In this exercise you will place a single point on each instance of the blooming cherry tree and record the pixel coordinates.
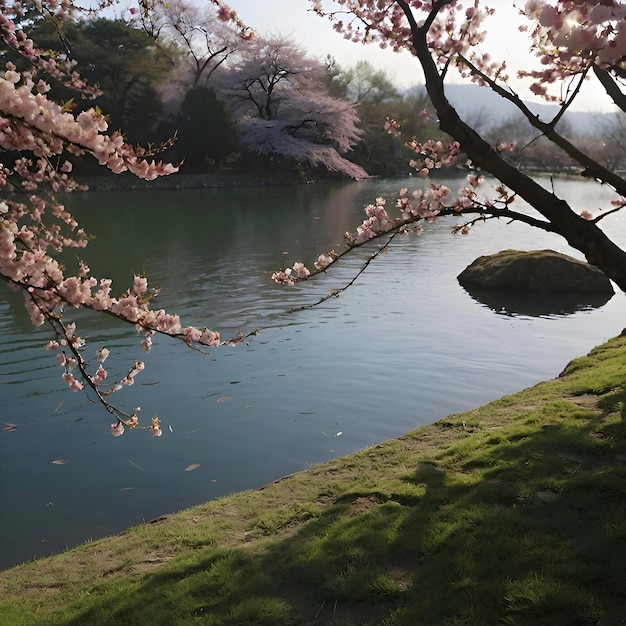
(285, 109)
(574, 39)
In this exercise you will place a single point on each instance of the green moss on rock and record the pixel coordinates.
(544, 271)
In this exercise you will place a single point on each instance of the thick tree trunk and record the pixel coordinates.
(581, 234)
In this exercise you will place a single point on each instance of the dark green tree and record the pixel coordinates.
(122, 61)
(207, 130)
(335, 78)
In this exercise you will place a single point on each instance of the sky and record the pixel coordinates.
(316, 35)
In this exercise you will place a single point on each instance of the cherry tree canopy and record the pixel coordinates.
(284, 107)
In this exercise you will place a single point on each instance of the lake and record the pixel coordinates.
(403, 347)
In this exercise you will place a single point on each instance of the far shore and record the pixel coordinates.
(222, 179)
(233, 179)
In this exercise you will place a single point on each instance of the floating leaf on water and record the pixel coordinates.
(192, 467)
(223, 399)
(59, 462)
(9, 427)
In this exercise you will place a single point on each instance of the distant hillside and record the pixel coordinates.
(480, 103)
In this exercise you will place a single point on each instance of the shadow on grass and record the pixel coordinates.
(518, 526)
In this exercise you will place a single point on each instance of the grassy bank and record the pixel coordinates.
(512, 513)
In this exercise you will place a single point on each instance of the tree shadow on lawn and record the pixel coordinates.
(528, 527)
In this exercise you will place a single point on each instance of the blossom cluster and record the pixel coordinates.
(569, 35)
(376, 223)
(453, 27)
(433, 154)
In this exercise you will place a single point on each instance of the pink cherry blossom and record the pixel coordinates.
(283, 277)
(72, 383)
(323, 261)
(301, 271)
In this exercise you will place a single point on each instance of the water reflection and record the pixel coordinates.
(537, 304)
(402, 347)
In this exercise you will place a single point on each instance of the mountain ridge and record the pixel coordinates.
(473, 102)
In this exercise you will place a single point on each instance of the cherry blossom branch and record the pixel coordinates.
(619, 206)
(67, 338)
(421, 206)
(334, 293)
(34, 126)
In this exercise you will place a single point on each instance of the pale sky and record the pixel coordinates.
(292, 18)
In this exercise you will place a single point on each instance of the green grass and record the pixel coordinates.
(512, 513)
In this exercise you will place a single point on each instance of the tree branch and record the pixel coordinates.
(334, 293)
(611, 87)
(592, 168)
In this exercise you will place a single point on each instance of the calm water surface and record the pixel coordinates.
(402, 347)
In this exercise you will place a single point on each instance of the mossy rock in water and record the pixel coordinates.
(544, 271)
